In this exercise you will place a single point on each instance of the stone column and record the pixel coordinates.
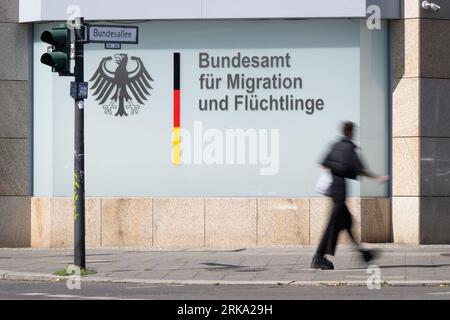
(421, 124)
(14, 128)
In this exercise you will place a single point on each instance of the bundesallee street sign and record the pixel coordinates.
(113, 34)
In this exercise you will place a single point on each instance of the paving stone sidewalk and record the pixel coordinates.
(397, 263)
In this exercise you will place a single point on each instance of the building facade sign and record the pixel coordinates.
(243, 108)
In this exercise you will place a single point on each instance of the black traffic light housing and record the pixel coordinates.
(59, 58)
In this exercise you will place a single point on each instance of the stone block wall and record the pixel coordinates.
(421, 130)
(202, 222)
(15, 129)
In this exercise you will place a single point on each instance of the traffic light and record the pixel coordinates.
(59, 57)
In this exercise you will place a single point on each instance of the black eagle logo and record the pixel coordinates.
(121, 86)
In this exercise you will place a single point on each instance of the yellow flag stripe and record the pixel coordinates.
(176, 146)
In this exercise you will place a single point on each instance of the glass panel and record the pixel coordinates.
(320, 62)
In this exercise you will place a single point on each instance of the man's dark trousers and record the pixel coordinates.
(340, 219)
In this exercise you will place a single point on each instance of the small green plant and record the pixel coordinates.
(334, 284)
(64, 273)
(385, 284)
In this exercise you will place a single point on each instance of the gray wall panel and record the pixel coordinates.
(14, 168)
(435, 167)
(14, 110)
(15, 226)
(435, 107)
(13, 51)
(9, 10)
(435, 220)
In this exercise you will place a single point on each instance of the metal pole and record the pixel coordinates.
(79, 197)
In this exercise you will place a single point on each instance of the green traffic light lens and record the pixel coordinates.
(47, 37)
(55, 37)
(57, 60)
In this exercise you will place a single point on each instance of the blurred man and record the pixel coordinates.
(344, 164)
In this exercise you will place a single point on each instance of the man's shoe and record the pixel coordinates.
(369, 255)
(320, 262)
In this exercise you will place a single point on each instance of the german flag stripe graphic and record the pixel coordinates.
(176, 147)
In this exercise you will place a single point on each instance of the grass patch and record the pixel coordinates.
(64, 273)
(334, 284)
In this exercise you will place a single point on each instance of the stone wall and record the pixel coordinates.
(421, 130)
(420, 163)
(202, 222)
(14, 128)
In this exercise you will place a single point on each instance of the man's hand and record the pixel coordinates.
(382, 179)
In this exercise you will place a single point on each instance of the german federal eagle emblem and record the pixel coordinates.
(121, 92)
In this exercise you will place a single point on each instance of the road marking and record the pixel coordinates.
(61, 296)
(335, 270)
(439, 293)
(70, 296)
(108, 298)
(383, 277)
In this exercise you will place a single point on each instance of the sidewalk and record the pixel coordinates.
(399, 265)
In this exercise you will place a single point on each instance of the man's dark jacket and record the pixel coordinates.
(343, 162)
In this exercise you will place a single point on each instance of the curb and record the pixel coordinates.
(41, 277)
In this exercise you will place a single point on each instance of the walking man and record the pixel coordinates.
(344, 164)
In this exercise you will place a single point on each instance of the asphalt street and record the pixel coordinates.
(18, 290)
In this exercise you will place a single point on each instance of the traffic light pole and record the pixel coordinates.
(58, 59)
(79, 194)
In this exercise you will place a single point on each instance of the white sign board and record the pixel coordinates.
(113, 34)
(217, 109)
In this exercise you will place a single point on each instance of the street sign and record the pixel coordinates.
(113, 46)
(113, 34)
